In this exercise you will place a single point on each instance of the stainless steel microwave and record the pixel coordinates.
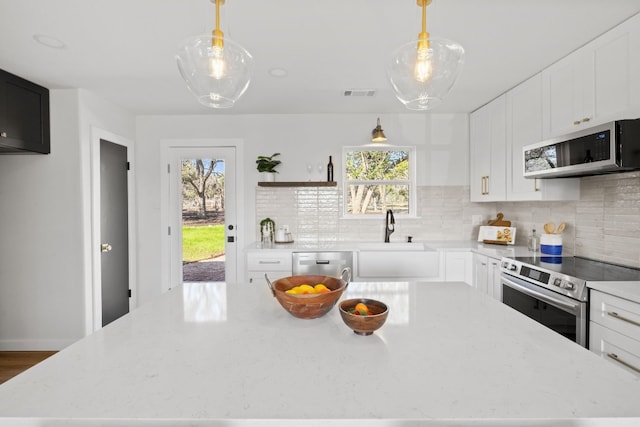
(607, 148)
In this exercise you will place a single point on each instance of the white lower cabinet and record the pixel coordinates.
(275, 264)
(458, 266)
(614, 330)
(486, 275)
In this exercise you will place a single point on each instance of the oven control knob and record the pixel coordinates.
(513, 267)
(557, 282)
(569, 285)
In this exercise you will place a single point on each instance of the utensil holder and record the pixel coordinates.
(551, 244)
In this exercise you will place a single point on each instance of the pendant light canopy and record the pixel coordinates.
(422, 72)
(217, 70)
(377, 134)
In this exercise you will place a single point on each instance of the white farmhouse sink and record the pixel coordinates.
(394, 246)
(397, 261)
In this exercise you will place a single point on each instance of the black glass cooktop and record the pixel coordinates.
(583, 268)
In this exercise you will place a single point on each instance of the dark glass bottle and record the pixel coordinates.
(330, 171)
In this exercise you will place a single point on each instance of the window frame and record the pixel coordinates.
(411, 182)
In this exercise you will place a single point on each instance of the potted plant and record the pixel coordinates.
(266, 165)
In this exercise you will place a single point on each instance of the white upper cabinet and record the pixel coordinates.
(568, 87)
(617, 67)
(487, 134)
(595, 84)
(524, 127)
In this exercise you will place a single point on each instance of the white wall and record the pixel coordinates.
(44, 224)
(441, 141)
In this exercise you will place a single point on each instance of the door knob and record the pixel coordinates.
(105, 247)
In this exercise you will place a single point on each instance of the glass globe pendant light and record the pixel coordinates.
(422, 72)
(217, 70)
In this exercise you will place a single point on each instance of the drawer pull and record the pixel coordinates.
(268, 262)
(615, 358)
(624, 319)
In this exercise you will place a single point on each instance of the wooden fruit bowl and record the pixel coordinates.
(309, 306)
(364, 325)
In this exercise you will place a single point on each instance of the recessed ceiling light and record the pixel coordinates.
(278, 72)
(49, 41)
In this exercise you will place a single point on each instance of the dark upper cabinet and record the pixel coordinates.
(24, 116)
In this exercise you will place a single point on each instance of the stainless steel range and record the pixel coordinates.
(553, 290)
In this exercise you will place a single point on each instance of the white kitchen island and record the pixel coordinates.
(229, 355)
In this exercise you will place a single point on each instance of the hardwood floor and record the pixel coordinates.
(14, 362)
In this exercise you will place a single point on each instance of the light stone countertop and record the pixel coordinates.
(496, 251)
(626, 290)
(229, 355)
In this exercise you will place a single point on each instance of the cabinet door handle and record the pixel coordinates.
(624, 319)
(576, 122)
(586, 119)
(484, 189)
(268, 262)
(535, 184)
(615, 358)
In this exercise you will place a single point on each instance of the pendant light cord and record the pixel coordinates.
(423, 37)
(218, 36)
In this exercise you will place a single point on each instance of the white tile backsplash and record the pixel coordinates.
(604, 224)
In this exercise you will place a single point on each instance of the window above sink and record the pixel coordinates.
(379, 177)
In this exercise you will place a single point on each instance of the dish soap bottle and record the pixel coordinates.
(533, 241)
(330, 171)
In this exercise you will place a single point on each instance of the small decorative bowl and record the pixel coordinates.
(309, 306)
(364, 325)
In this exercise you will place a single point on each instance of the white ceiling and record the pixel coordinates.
(123, 50)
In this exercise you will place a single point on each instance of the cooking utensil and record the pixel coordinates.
(549, 228)
(560, 228)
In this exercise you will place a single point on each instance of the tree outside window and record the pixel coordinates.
(377, 179)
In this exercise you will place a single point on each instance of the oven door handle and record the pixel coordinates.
(544, 298)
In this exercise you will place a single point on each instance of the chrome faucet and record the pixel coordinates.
(390, 226)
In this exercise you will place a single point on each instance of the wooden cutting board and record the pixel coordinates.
(499, 221)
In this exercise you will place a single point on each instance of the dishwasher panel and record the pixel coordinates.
(323, 263)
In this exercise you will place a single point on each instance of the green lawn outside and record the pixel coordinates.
(202, 242)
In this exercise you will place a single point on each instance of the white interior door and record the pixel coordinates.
(225, 155)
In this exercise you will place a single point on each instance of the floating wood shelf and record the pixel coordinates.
(297, 184)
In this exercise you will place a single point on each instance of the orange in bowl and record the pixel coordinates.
(362, 315)
(314, 303)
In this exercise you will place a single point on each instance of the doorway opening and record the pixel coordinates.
(203, 219)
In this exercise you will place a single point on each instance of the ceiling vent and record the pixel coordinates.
(359, 92)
